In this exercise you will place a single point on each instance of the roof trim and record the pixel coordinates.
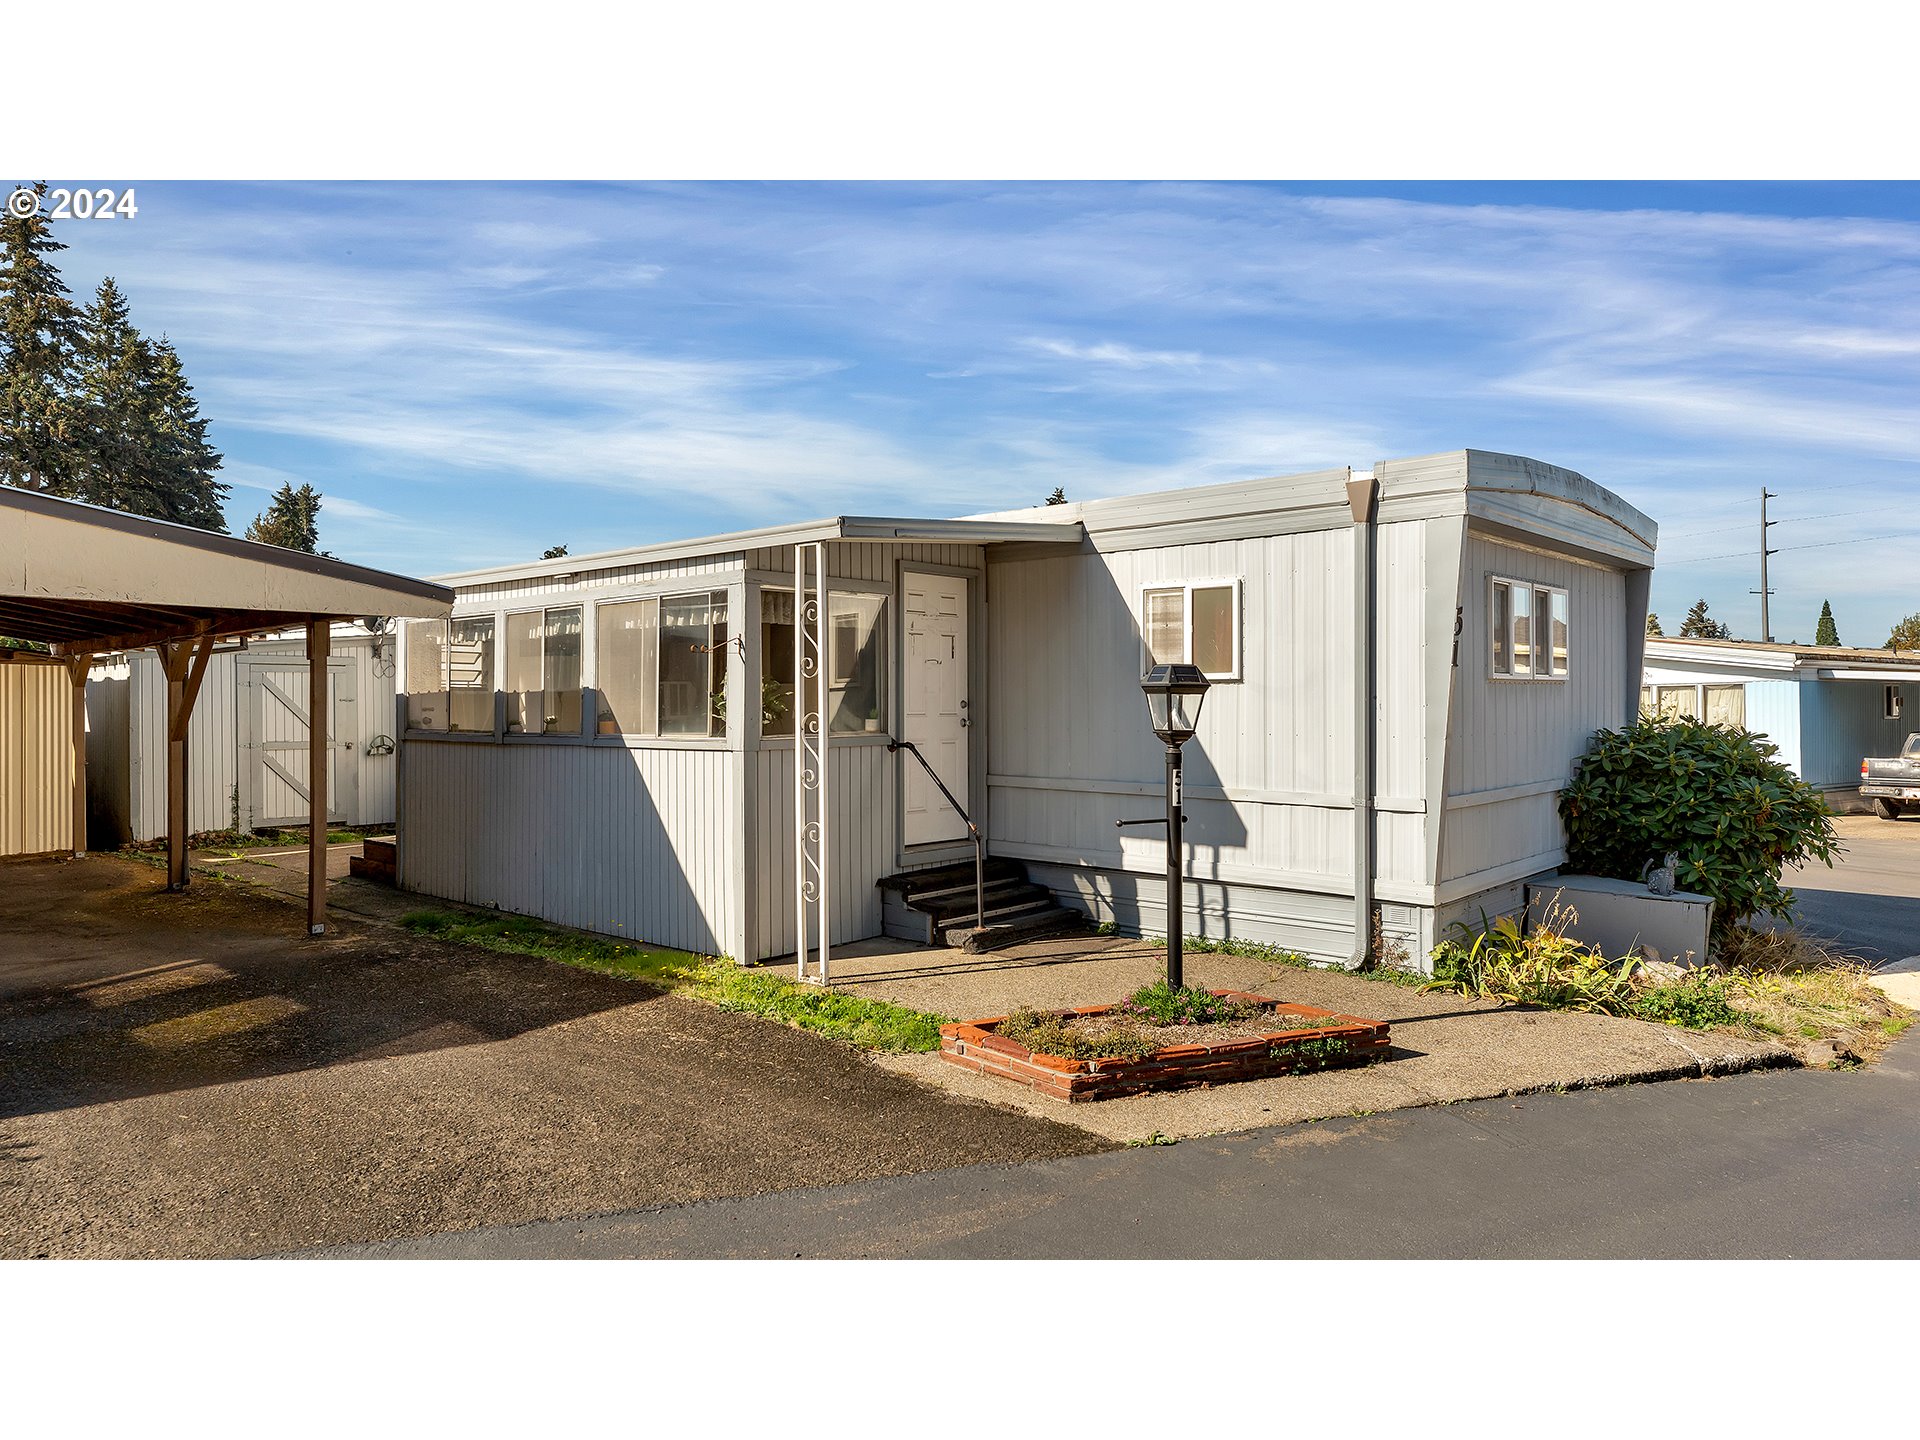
(869, 528)
(172, 533)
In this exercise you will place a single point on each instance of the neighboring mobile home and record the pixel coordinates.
(1826, 706)
(1406, 664)
(247, 746)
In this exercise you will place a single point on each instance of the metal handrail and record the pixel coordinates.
(973, 831)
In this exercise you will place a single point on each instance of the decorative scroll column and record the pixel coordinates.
(812, 891)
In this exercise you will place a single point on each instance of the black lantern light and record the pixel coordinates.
(1174, 696)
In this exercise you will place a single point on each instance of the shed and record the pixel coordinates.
(86, 582)
(1827, 707)
(1407, 661)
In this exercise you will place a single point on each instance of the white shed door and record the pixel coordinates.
(276, 732)
(936, 720)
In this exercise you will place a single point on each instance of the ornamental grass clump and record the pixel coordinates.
(1713, 795)
(1541, 966)
(1164, 1004)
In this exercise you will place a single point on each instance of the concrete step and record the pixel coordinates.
(381, 849)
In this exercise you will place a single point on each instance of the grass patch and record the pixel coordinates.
(856, 1020)
(1164, 1004)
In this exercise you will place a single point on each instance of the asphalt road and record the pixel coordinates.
(1788, 1164)
(1871, 899)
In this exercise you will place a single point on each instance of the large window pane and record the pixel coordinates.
(561, 671)
(526, 700)
(1727, 705)
(1213, 629)
(627, 655)
(692, 665)
(1164, 627)
(426, 677)
(856, 669)
(470, 674)
(777, 702)
(1559, 632)
(1679, 702)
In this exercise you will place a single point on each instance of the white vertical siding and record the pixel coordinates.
(628, 842)
(861, 830)
(36, 759)
(1520, 734)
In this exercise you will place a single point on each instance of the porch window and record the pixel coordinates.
(662, 665)
(543, 671)
(470, 682)
(1716, 704)
(856, 664)
(1193, 623)
(426, 674)
(1726, 705)
(1527, 630)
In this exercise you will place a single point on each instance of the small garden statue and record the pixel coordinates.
(1659, 878)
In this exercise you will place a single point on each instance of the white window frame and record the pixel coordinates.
(1892, 701)
(1150, 587)
(1514, 582)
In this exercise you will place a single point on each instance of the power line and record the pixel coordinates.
(1812, 545)
(1783, 520)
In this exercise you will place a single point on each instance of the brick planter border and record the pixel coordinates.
(975, 1045)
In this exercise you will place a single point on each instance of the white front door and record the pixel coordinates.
(937, 721)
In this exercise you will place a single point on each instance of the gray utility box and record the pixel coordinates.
(1619, 917)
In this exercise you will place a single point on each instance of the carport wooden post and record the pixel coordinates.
(185, 667)
(319, 750)
(77, 667)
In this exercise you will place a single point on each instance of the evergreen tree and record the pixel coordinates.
(553, 552)
(111, 380)
(186, 463)
(1059, 495)
(39, 333)
(1653, 624)
(1826, 632)
(291, 520)
(1702, 626)
(1906, 635)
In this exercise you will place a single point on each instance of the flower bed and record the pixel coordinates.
(1295, 1049)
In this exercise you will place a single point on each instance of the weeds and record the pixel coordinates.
(854, 1019)
(1543, 966)
(1163, 1004)
(1050, 1033)
(1698, 1002)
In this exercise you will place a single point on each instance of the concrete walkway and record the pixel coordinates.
(1445, 1048)
(1794, 1164)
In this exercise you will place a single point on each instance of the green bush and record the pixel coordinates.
(1162, 1004)
(1711, 794)
(1699, 1002)
(1542, 966)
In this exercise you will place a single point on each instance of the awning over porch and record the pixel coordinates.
(86, 581)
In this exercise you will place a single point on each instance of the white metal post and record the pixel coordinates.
(810, 726)
(824, 733)
(801, 881)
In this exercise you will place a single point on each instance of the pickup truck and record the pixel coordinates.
(1893, 785)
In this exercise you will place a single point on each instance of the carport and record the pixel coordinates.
(86, 581)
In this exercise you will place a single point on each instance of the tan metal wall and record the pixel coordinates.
(36, 759)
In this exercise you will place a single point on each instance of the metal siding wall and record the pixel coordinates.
(1072, 752)
(861, 830)
(1773, 710)
(627, 842)
(36, 759)
(1845, 724)
(213, 768)
(1512, 733)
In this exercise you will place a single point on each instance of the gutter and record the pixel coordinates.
(1363, 499)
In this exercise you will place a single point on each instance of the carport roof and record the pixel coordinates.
(83, 580)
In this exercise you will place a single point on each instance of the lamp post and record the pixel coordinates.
(1174, 696)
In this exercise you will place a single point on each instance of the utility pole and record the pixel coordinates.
(1766, 623)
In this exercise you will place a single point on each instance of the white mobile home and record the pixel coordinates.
(1406, 663)
(1827, 707)
(247, 745)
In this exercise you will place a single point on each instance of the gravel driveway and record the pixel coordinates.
(188, 1075)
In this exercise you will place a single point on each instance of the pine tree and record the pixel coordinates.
(1702, 626)
(553, 552)
(1653, 624)
(291, 520)
(39, 333)
(1059, 495)
(186, 463)
(112, 442)
(1826, 632)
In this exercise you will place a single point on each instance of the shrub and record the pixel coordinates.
(1162, 1004)
(1540, 967)
(1713, 795)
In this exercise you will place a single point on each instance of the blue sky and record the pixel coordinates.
(471, 373)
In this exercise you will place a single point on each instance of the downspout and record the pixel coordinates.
(1363, 496)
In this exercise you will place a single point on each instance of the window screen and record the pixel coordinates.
(1165, 627)
(1213, 623)
(470, 674)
